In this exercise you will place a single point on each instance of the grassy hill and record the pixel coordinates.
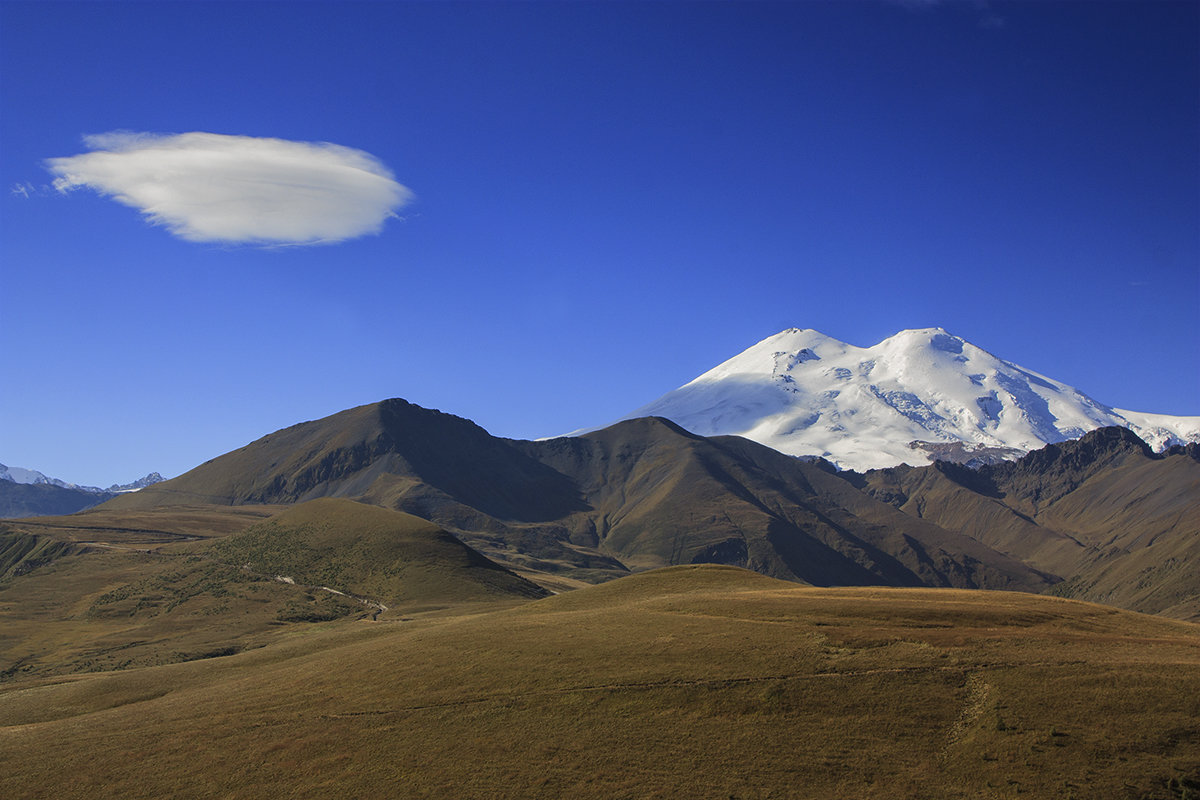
(390, 557)
(702, 681)
(121, 589)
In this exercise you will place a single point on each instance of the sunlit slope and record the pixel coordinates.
(688, 682)
(146, 528)
(104, 590)
(805, 393)
(385, 556)
(114, 590)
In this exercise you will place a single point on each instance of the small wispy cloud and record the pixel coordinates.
(27, 190)
(208, 187)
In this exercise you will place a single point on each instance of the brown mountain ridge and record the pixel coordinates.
(1101, 518)
(1119, 523)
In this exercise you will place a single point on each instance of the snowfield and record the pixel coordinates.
(806, 394)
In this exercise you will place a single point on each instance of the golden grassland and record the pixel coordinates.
(688, 682)
(68, 614)
(146, 529)
(145, 588)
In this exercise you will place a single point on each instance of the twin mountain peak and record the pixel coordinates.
(916, 397)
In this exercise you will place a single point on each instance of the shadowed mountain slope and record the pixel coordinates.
(41, 499)
(641, 494)
(1121, 523)
(346, 455)
(1103, 515)
(661, 496)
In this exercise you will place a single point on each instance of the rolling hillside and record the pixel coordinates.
(701, 681)
(118, 590)
(390, 558)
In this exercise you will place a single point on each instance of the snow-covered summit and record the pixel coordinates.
(805, 393)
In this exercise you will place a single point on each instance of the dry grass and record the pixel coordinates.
(137, 595)
(145, 528)
(687, 682)
(115, 609)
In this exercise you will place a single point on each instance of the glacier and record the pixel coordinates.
(807, 394)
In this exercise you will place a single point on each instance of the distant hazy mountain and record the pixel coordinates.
(45, 499)
(29, 493)
(918, 396)
(34, 478)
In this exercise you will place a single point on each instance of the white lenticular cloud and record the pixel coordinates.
(207, 187)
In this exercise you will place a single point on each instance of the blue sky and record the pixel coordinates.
(607, 199)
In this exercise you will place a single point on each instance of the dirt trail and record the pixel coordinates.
(366, 601)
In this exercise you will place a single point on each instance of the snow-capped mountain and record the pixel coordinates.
(32, 476)
(918, 393)
(140, 483)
